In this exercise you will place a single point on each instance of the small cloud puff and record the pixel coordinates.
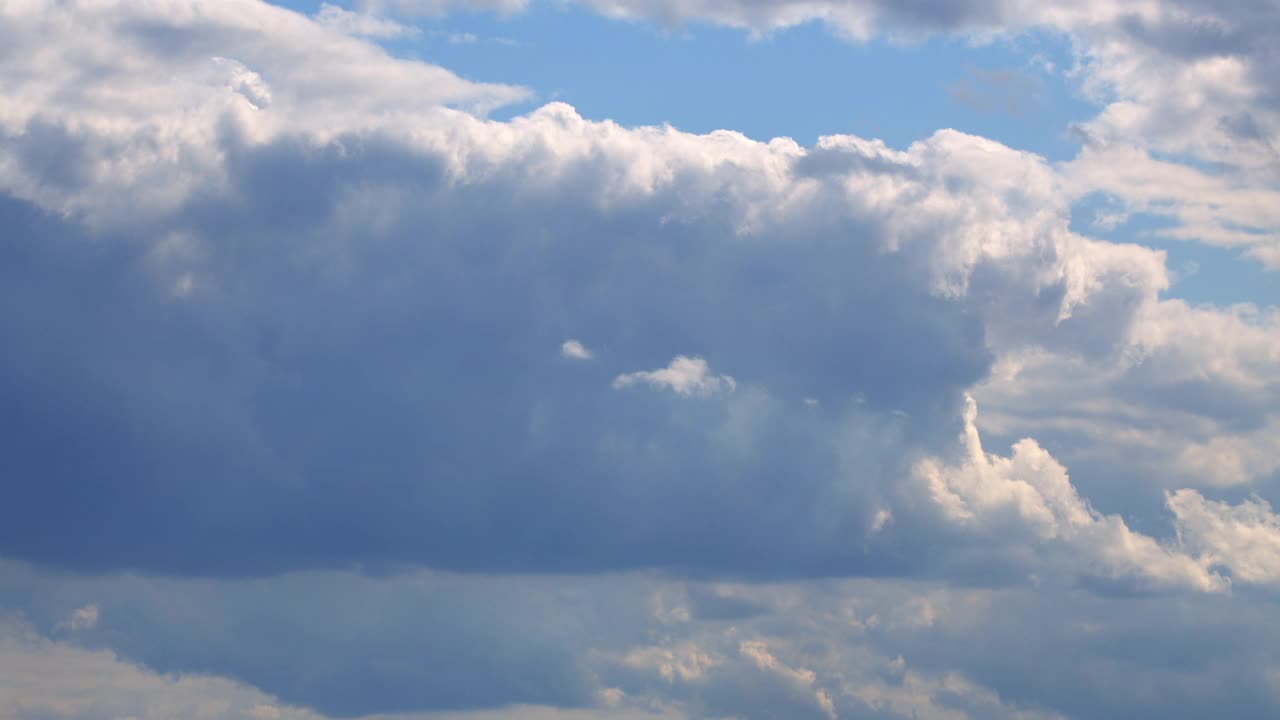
(686, 376)
(86, 618)
(575, 350)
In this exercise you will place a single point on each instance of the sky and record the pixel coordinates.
(639, 359)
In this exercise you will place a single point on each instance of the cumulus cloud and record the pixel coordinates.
(1190, 400)
(684, 376)
(157, 134)
(1216, 542)
(879, 283)
(1032, 490)
(1244, 539)
(874, 268)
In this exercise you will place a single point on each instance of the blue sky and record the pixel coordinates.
(447, 360)
(804, 82)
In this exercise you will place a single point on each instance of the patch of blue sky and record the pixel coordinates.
(802, 83)
(1201, 274)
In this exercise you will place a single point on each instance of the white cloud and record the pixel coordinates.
(1187, 79)
(1189, 399)
(261, 67)
(1032, 490)
(1233, 458)
(1032, 487)
(575, 350)
(687, 376)
(1244, 539)
(363, 24)
(1214, 209)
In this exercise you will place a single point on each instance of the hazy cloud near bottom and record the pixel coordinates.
(622, 645)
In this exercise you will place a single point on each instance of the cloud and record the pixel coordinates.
(575, 350)
(874, 647)
(341, 300)
(41, 678)
(812, 655)
(44, 678)
(687, 376)
(435, 8)
(1234, 459)
(803, 679)
(1244, 539)
(343, 644)
(86, 618)
(1031, 491)
(1216, 542)
(417, 394)
(1210, 208)
(363, 24)
(1190, 400)
(154, 133)
(1188, 81)
(856, 19)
